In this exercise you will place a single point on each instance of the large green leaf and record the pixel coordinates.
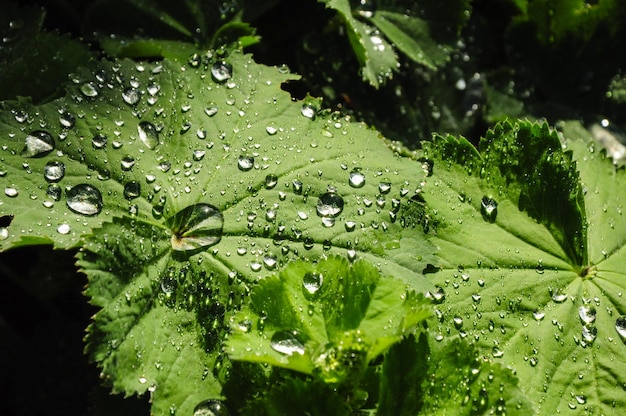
(186, 184)
(536, 280)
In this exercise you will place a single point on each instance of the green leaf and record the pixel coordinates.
(296, 322)
(534, 279)
(208, 174)
(376, 56)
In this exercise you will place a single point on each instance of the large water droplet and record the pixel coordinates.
(148, 134)
(271, 181)
(211, 408)
(221, 72)
(489, 209)
(329, 204)
(84, 199)
(38, 144)
(197, 226)
(99, 141)
(89, 89)
(54, 171)
(308, 111)
(245, 163)
(587, 314)
(131, 96)
(620, 327)
(132, 190)
(312, 282)
(67, 120)
(286, 342)
(357, 179)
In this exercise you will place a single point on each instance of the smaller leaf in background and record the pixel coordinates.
(296, 320)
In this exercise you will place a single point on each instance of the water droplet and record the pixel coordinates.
(131, 96)
(221, 72)
(132, 190)
(489, 209)
(558, 296)
(286, 342)
(89, 89)
(99, 141)
(245, 163)
(211, 407)
(620, 327)
(589, 334)
(587, 314)
(148, 134)
(84, 199)
(54, 171)
(38, 144)
(312, 282)
(153, 88)
(210, 111)
(67, 120)
(384, 187)
(308, 111)
(64, 229)
(127, 163)
(271, 130)
(329, 204)
(271, 181)
(538, 315)
(438, 295)
(357, 179)
(54, 191)
(297, 187)
(350, 226)
(197, 226)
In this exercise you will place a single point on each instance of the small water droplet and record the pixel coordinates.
(356, 179)
(67, 120)
(131, 96)
(620, 327)
(329, 204)
(148, 134)
(271, 181)
(312, 282)
(89, 89)
(64, 229)
(271, 130)
(99, 141)
(84, 199)
(297, 187)
(589, 334)
(132, 190)
(286, 342)
(221, 72)
(38, 143)
(211, 407)
(384, 187)
(308, 111)
(558, 296)
(54, 171)
(245, 163)
(350, 226)
(127, 163)
(197, 226)
(489, 209)
(587, 314)
(210, 111)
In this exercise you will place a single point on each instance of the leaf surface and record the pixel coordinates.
(535, 281)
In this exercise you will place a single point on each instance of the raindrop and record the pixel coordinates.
(54, 171)
(84, 199)
(89, 89)
(538, 315)
(270, 262)
(197, 226)
(198, 155)
(210, 111)
(312, 282)
(357, 179)
(127, 163)
(64, 229)
(489, 209)
(221, 72)
(329, 204)
(271, 130)
(153, 88)
(67, 120)
(620, 327)
(350, 226)
(587, 314)
(384, 187)
(38, 144)
(558, 296)
(148, 134)
(271, 181)
(308, 111)
(287, 343)
(131, 96)
(54, 191)
(210, 407)
(132, 190)
(99, 141)
(245, 163)
(297, 187)
(589, 333)
(438, 295)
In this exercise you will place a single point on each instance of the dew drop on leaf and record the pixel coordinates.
(132, 190)
(127, 163)
(221, 72)
(384, 187)
(308, 111)
(620, 327)
(131, 96)
(84, 199)
(148, 134)
(54, 171)
(312, 282)
(99, 141)
(210, 111)
(587, 314)
(38, 144)
(356, 179)
(271, 181)
(329, 204)
(64, 229)
(89, 89)
(489, 209)
(67, 120)
(245, 163)
(54, 191)
(197, 226)
(286, 343)
(211, 407)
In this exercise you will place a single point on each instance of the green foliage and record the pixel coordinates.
(250, 252)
